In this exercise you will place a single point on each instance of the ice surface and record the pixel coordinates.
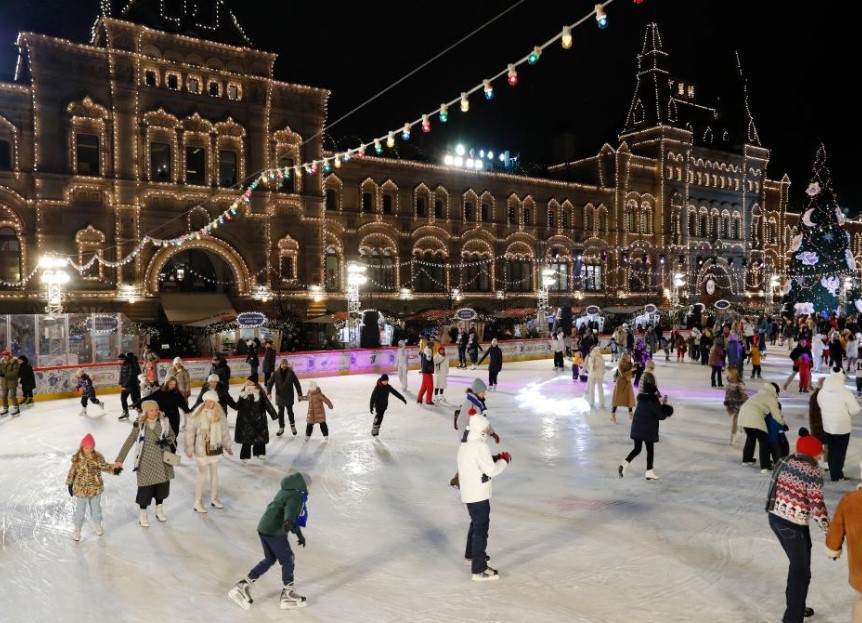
(386, 534)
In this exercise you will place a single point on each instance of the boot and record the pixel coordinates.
(280, 431)
(241, 594)
(199, 507)
(16, 412)
(455, 482)
(124, 416)
(621, 469)
(293, 428)
(83, 412)
(160, 513)
(76, 534)
(98, 529)
(375, 430)
(4, 412)
(733, 439)
(216, 502)
(102, 406)
(143, 519)
(651, 475)
(291, 599)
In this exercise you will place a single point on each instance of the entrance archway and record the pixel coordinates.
(211, 258)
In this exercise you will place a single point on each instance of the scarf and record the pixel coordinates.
(142, 434)
(252, 391)
(215, 433)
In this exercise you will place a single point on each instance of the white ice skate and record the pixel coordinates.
(651, 475)
(160, 513)
(216, 503)
(290, 599)
(240, 594)
(76, 534)
(199, 507)
(143, 520)
(99, 529)
(83, 412)
(488, 575)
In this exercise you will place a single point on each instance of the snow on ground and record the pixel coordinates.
(386, 534)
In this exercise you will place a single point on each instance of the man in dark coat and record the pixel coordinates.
(285, 381)
(224, 398)
(380, 401)
(495, 363)
(129, 383)
(27, 378)
(268, 361)
(221, 369)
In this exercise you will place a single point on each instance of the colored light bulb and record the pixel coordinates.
(378, 148)
(601, 17)
(426, 125)
(337, 162)
(444, 113)
(360, 153)
(390, 140)
(346, 156)
(465, 103)
(512, 78)
(489, 90)
(327, 167)
(405, 133)
(533, 57)
(566, 39)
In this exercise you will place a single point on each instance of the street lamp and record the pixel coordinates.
(542, 294)
(316, 293)
(54, 279)
(355, 278)
(678, 282)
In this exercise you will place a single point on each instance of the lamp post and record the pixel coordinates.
(54, 279)
(678, 282)
(355, 278)
(542, 295)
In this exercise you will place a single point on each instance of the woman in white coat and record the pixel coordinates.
(818, 348)
(752, 418)
(207, 437)
(401, 363)
(837, 404)
(595, 365)
(441, 373)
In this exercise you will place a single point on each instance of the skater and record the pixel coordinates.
(9, 372)
(221, 370)
(206, 438)
(170, 402)
(441, 373)
(558, 346)
(734, 397)
(649, 412)
(84, 386)
(851, 351)
(752, 418)
(476, 469)
(252, 428)
(285, 381)
(836, 351)
(184, 381)
(624, 395)
(147, 379)
(755, 357)
(495, 363)
(27, 378)
(649, 375)
(595, 366)
(316, 411)
(286, 513)
(268, 361)
(614, 347)
(818, 350)
(716, 362)
(847, 524)
(473, 348)
(152, 437)
(577, 362)
(253, 360)
(804, 364)
(130, 384)
(859, 376)
(463, 338)
(380, 401)
(801, 347)
(225, 400)
(401, 363)
(474, 404)
(426, 368)
(85, 485)
(639, 358)
(795, 496)
(679, 342)
(837, 405)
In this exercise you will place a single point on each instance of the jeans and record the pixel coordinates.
(323, 428)
(477, 535)
(650, 448)
(837, 452)
(245, 450)
(81, 504)
(638, 373)
(89, 398)
(274, 548)
(716, 376)
(135, 392)
(796, 541)
(281, 409)
(378, 419)
(462, 355)
(14, 391)
(752, 436)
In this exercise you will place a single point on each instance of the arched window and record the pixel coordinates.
(526, 214)
(631, 221)
(552, 219)
(692, 223)
(331, 270)
(704, 225)
(511, 215)
(10, 255)
(564, 218)
(588, 221)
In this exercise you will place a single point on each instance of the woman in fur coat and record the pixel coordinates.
(624, 394)
(252, 429)
(207, 438)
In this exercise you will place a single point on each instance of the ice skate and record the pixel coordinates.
(290, 599)
(455, 483)
(280, 431)
(487, 575)
(98, 529)
(82, 412)
(4, 412)
(240, 594)
(621, 469)
(293, 429)
(143, 520)
(123, 416)
(160, 513)
(76, 534)
(16, 412)
(651, 475)
(199, 507)
(102, 406)
(375, 430)
(613, 418)
(216, 503)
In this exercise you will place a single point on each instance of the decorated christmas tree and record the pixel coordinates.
(820, 256)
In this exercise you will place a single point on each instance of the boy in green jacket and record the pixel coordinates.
(286, 513)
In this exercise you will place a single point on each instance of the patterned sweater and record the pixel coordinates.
(799, 493)
(85, 475)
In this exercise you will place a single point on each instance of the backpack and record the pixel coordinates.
(302, 518)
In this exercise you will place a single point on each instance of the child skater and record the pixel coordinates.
(755, 355)
(316, 411)
(615, 350)
(401, 363)
(805, 364)
(441, 373)
(380, 401)
(286, 513)
(84, 385)
(85, 485)
(648, 413)
(577, 362)
(734, 397)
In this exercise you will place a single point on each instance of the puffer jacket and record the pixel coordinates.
(9, 370)
(648, 413)
(596, 364)
(285, 506)
(316, 412)
(716, 355)
(837, 404)
(251, 424)
(476, 467)
(753, 412)
(85, 475)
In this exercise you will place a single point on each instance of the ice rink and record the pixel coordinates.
(572, 542)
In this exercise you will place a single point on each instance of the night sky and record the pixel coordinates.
(796, 57)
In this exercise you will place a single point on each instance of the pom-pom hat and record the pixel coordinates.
(808, 444)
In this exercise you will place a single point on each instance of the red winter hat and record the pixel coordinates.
(808, 444)
(88, 441)
(7, 353)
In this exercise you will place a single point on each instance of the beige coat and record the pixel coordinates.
(316, 411)
(847, 524)
(184, 382)
(624, 394)
(198, 430)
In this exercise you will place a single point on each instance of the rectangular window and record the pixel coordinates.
(287, 271)
(160, 162)
(331, 271)
(196, 166)
(233, 91)
(194, 85)
(468, 211)
(287, 183)
(592, 278)
(486, 213)
(214, 88)
(511, 215)
(173, 82)
(388, 203)
(331, 199)
(421, 208)
(438, 208)
(150, 78)
(227, 168)
(5, 156)
(552, 220)
(560, 277)
(367, 203)
(87, 154)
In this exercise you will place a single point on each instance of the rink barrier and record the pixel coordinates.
(59, 381)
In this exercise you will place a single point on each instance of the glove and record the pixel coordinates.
(288, 526)
(118, 471)
(455, 419)
(496, 437)
(70, 489)
(300, 538)
(503, 455)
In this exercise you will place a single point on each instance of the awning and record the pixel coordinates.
(197, 310)
(623, 310)
(516, 312)
(329, 318)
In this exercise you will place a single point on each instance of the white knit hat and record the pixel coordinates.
(312, 385)
(213, 378)
(210, 395)
(177, 361)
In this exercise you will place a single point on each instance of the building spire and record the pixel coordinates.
(751, 130)
(649, 105)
